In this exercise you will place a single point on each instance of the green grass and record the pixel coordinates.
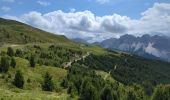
(32, 90)
(105, 75)
(17, 94)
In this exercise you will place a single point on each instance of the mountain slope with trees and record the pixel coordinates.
(34, 68)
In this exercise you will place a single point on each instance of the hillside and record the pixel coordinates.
(76, 70)
(32, 88)
(15, 32)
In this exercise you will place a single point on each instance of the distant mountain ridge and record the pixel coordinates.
(79, 40)
(154, 47)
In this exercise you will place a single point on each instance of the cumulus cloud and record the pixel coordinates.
(87, 25)
(77, 24)
(154, 20)
(5, 9)
(43, 3)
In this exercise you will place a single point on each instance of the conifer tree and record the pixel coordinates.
(10, 52)
(18, 53)
(19, 79)
(13, 62)
(32, 61)
(4, 65)
(48, 84)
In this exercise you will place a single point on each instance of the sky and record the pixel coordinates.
(92, 20)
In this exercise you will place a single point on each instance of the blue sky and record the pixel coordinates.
(93, 20)
(131, 8)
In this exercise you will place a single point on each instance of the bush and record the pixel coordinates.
(107, 94)
(58, 89)
(161, 93)
(72, 90)
(9, 75)
(3, 76)
(19, 79)
(28, 80)
(48, 84)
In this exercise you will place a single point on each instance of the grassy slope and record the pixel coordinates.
(31, 90)
(16, 32)
(14, 36)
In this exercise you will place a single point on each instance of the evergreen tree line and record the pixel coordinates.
(130, 69)
(89, 86)
(50, 56)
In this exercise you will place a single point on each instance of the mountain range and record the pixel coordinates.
(154, 47)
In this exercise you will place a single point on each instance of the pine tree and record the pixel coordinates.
(48, 84)
(13, 62)
(19, 79)
(4, 66)
(18, 53)
(10, 52)
(32, 61)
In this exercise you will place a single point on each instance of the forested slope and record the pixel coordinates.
(32, 66)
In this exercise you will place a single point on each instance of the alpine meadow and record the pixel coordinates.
(69, 50)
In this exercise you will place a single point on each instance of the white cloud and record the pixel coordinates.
(43, 3)
(72, 10)
(77, 24)
(96, 28)
(9, 1)
(102, 1)
(153, 51)
(154, 20)
(5, 9)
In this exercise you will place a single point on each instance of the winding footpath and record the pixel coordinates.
(106, 76)
(68, 64)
